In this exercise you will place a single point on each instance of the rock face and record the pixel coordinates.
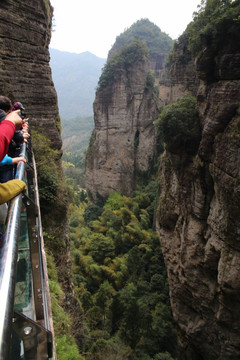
(25, 74)
(198, 216)
(123, 142)
(182, 74)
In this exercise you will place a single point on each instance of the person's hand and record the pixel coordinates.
(15, 119)
(26, 135)
(16, 160)
(25, 125)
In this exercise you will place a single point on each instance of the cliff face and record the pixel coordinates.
(198, 215)
(25, 74)
(123, 141)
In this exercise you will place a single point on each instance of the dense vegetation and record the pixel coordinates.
(120, 279)
(49, 178)
(178, 125)
(144, 30)
(128, 55)
(215, 22)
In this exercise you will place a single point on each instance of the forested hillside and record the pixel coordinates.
(120, 279)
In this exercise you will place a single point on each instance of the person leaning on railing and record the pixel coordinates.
(11, 123)
(12, 158)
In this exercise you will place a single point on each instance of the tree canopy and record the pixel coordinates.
(216, 21)
(120, 280)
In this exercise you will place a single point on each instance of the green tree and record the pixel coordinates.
(91, 213)
(114, 201)
(101, 247)
(131, 317)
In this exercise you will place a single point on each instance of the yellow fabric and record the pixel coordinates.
(10, 189)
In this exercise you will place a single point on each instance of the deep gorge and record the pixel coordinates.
(197, 211)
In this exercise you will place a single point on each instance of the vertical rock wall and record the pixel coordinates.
(198, 216)
(25, 74)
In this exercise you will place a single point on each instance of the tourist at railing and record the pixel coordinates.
(9, 162)
(8, 126)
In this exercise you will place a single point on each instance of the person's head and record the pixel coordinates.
(19, 106)
(5, 103)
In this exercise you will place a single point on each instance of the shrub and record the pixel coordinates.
(67, 349)
(178, 125)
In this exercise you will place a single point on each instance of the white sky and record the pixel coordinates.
(93, 25)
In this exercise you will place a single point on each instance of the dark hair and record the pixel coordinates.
(5, 103)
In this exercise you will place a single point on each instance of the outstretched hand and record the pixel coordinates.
(15, 119)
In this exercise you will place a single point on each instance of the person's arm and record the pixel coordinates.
(10, 189)
(11, 123)
(7, 129)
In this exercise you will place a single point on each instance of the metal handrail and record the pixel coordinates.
(38, 343)
(8, 265)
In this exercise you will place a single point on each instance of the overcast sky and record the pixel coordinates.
(93, 25)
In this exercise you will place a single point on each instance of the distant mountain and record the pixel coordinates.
(75, 77)
(76, 133)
